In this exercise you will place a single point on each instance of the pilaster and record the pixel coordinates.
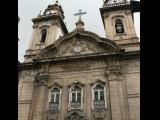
(117, 102)
(41, 81)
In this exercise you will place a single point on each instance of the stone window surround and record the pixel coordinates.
(70, 96)
(92, 91)
(49, 96)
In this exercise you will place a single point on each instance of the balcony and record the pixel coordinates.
(99, 103)
(75, 105)
(53, 106)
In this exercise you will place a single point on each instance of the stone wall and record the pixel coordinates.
(131, 76)
(121, 82)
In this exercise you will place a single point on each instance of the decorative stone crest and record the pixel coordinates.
(75, 83)
(98, 82)
(54, 85)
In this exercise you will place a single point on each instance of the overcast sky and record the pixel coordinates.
(28, 9)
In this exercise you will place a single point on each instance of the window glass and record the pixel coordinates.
(96, 95)
(73, 97)
(79, 97)
(101, 95)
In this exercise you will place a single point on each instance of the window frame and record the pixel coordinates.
(70, 97)
(93, 96)
(55, 94)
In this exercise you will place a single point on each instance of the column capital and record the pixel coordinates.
(113, 73)
(41, 79)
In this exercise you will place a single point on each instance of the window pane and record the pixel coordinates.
(52, 97)
(101, 95)
(96, 95)
(57, 99)
(73, 97)
(79, 97)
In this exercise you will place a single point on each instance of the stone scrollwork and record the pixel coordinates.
(75, 115)
(41, 80)
(113, 74)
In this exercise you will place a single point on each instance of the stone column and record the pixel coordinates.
(41, 82)
(116, 95)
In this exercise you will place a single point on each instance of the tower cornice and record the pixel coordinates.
(51, 17)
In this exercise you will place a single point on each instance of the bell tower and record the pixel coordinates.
(47, 28)
(118, 21)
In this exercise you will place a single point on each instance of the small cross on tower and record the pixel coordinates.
(80, 13)
(56, 2)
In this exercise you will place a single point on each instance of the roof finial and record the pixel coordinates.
(57, 2)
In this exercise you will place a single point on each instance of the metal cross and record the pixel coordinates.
(80, 13)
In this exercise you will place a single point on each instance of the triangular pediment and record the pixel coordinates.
(79, 43)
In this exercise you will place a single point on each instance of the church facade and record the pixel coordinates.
(79, 75)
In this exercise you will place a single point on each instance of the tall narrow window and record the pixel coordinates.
(54, 99)
(75, 97)
(119, 26)
(98, 96)
(43, 35)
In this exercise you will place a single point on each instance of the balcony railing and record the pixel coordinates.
(75, 105)
(99, 103)
(53, 106)
(117, 4)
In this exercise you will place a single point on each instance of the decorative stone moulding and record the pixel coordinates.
(117, 4)
(41, 80)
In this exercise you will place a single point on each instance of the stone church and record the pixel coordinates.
(79, 75)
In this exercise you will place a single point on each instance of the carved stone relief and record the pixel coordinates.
(114, 73)
(75, 115)
(77, 46)
(41, 80)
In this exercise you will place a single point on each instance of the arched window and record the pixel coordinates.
(43, 35)
(119, 26)
(98, 96)
(54, 99)
(75, 97)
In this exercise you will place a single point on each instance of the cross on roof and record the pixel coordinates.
(80, 13)
(56, 2)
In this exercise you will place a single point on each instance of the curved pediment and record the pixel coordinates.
(79, 43)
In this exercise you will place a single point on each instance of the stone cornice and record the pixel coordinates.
(131, 54)
(82, 56)
(51, 17)
(116, 6)
(56, 59)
